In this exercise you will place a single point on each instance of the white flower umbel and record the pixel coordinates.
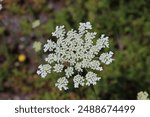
(1, 7)
(58, 68)
(102, 42)
(59, 32)
(106, 57)
(43, 70)
(91, 78)
(78, 80)
(142, 95)
(77, 55)
(37, 46)
(95, 65)
(62, 83)
(49, 46)
(69, 72)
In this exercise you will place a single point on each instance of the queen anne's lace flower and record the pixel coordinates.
(43, 70)
(84, 26)
(51, 58)
(78, 80)
(78, 67)
(102, 42)
(91, 78)
(58, 68)
(62, 83)
(69, 72)
(106, 57)
(142, 95)
(75, 53)
(49, 46)
(59, 32)
(1, 7)
(37, 46)
(95, 65)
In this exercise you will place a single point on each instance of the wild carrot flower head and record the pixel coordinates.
(75, 54)
(1, 7)
(142, 95)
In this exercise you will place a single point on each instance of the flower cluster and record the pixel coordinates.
(37, 46)
(142, 95)
(1, 7)
(75, 54)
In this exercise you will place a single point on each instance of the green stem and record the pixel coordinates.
(92, 87)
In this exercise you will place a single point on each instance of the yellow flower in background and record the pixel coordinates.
(21, 57)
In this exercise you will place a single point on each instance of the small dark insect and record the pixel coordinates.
(66, 63)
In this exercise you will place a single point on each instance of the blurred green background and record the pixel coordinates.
(126, 22)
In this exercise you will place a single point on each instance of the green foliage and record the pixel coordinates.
(2, 29)
(26, 27)
(14, 8)
(45, 28)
